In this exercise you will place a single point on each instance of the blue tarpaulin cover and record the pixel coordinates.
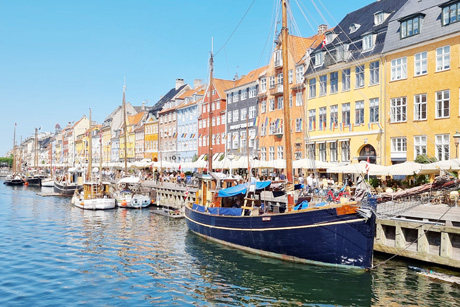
(241, 189)
(226, 211)
(198, 208)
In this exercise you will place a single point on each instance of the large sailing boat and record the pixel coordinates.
(95, 194)
(335, 234)
(14, 178)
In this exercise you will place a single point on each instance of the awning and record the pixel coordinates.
(241, 189)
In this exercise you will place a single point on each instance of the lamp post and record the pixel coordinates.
(456, 137)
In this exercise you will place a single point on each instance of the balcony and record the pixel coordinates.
(277, 90)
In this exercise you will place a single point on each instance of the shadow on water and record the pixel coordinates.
(255, 280)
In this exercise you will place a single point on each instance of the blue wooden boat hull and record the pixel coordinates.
(318, 236)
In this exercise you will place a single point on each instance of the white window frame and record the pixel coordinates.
(420, 64)
(442, 104)
(398, 110)
(420, 107)
(442, 145)
(443, 58)
(399, 69)
(420, 145)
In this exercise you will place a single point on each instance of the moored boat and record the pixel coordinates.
(128, 196)
(67, 184)
(14, 179)
(94, 196)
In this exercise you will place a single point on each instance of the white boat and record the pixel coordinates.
(48, 182)
(127, 194)
(95, 196)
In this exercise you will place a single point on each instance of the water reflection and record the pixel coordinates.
(250, 279)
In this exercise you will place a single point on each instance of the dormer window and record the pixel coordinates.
(319, 59)
(380, 17)
(278, 58)
(368, 42)
(410, 25)
(354, 27)
(450, 13)
(329, 37)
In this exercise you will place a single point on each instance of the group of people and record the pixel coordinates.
(313, 181)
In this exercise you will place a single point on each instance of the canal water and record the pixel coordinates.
(54, 254)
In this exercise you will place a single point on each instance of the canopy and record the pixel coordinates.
(311, 164)
(358, 168)
(130, 180)
(241, 189)
(405, 169)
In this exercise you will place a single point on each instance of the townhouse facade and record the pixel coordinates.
(344, 83)
(151, 137)
(242, 114)
(422, 53)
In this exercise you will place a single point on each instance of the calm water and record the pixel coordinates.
(53, 254)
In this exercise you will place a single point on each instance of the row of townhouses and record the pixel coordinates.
(382, 85)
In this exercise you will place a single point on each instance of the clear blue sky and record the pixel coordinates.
(60, 58)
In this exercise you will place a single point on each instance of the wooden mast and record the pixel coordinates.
(90, 149)
(287, 111)
(35, 150)
(210, 115)
(125, 130)
(14, 149)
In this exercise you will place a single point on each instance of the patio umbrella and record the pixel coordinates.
(357, 168)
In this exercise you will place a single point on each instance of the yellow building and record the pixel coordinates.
(422, 82)
(345, 88)
(106, 143)
(132, 122)
(151, 138)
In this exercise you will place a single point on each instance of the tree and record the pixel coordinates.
(424, 159)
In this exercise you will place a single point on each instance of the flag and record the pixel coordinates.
(323, 43)
(380, 127)
(256, 121)
(350, 127)
(186, 194)
(341, 126)
(367, 166)
(266, 122)
(324, 125)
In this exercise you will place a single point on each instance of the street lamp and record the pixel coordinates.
(456, 137)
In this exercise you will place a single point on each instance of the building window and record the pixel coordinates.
(278, 58)
(420, 107)
(399, 69)
(374, 73)
(368, 42)
(420, 63)
(443, 58)
(263, 129)
(235, 115)
(243, 139)
(252, 112)
(299, 74)
(419, 146)
(271, 153)
(271, 105)
(451, 13)
(319, 59)
(298, 99)
(346, 79)
(244, 94)
(398, 109)
(252, 136)
(346, 114)
(235, 140)
(263, 85)
(442, 104)
(334, 116)
(322, 118)
(298, 155)
(312, 119)
(322, 85)
(280, 152)
(312, 88)
(263, 106)
(311, 151)
(398, 147)
(272, 81)
(291, 76)
(290, 100)
(374, 110)
(236, 96)
(280, 103)
(229, 117)
(333, 151)
(263, 154)
(334, 78)
(252, 91)
(359, 74)
(410, 27)
(442, 147)
(322, 151)
(379, 18)
(359, 113)
(243, 114)
(280, 82)
(298, 125)
(345, 146)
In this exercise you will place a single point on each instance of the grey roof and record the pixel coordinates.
(431, 25)
(364, 17)
(169, 95)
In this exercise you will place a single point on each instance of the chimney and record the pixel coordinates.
(322, 29)
(143, 105)
(197, 83)
(179, 83)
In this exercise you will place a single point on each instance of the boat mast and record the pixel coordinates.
(35, 150)
(287, 111)
(210, 114)
(100, 151)
(14, 149)
(90, 149)
(125, 130)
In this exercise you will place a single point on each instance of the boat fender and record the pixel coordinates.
(123, 203)
(82, 203)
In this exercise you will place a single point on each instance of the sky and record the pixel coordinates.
(60, 58)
